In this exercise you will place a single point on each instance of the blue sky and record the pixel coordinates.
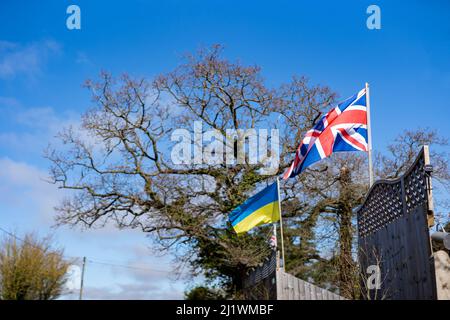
(43, 66)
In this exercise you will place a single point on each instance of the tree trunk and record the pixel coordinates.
(346, 265)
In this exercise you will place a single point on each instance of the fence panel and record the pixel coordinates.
(393, 234)
(292, 288)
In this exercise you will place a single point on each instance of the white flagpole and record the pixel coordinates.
(281, 225)
(369, 136)
(275, 244)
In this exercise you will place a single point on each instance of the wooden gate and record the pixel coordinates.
(393, 235)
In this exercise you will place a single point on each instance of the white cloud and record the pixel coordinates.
(147, 264)
(22, 184)
(38, 117)
(27, 200)
(134, 291)
(34, 128)
(18, 59)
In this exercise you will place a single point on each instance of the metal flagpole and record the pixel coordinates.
(275, 244)
(369, 136)
(281, 224)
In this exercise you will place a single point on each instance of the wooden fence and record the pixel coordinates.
(268, 282)
(292, 288)
(393, 233)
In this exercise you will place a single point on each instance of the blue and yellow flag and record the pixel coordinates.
(260, 209)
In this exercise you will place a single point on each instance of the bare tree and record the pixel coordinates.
(401, 155)
(403, 151)
(120, 169)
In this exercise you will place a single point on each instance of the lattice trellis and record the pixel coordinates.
(388, 200)
(416, 186)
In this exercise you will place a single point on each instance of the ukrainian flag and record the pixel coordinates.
(260, 209)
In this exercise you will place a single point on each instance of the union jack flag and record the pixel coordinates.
(344, 128)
